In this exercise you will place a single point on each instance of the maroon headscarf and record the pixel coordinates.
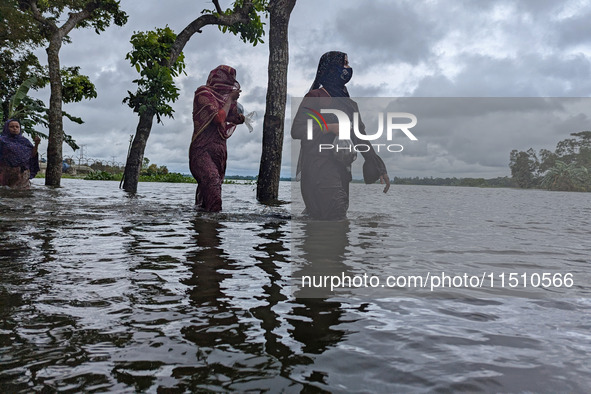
(210, 98)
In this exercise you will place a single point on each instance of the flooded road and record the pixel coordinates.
(101, 292)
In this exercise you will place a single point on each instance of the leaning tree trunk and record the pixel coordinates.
(133, 166)
(136, 153)
(273, 123)
(53, 173)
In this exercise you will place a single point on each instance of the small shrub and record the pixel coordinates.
(99, 176)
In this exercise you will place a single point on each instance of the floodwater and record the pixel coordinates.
(101, 292)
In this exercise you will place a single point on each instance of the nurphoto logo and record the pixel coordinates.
(391, 119)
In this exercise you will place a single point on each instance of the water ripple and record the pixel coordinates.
(104, 292)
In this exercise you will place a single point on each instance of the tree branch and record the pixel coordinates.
(217, 6)
(238, 16)
(39, 17)
(77, 17)
(69, 25)
(36, 13)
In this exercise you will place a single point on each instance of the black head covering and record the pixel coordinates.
(329, 74)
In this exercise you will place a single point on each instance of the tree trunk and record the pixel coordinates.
(133, 166)
(55, 36)
(53, 173)
(273, 124)
(136, 154)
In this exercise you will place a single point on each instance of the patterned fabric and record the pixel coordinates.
(14, 177)
(212, 127)
(329, 74)
(17, 163)
(210, 98)
(208, 167)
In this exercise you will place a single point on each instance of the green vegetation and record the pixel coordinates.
(152, 169)
(568, 168)
(101, 176)
(171, 177)
(470, 182)
(151, 57)
(175, 177)
(239, 181)
(18, 63)
(158, 58)
(48, 24)
(33, 112)
(149, 173)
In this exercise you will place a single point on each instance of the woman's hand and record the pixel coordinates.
(235, 94)
(385, 179)
(232, 97)
(35, 151)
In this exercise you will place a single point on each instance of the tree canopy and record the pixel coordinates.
(18, 64)
(51, 22)
(568, 168)
(18, 31)
(151, 55)
(157, 56)
(21, 71)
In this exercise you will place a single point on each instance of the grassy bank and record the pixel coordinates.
(172, 177)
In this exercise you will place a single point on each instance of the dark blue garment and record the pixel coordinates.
(17, 151)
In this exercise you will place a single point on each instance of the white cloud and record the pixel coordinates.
(431, 48)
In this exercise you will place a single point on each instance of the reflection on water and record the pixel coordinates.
(101, 292)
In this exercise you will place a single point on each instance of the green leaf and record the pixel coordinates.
(73, 118)
(19, 95)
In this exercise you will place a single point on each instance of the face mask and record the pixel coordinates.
(346, 74)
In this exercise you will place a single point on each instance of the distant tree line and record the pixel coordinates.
(472, 182)
(568, 168)
(110, 168)
(152, 169)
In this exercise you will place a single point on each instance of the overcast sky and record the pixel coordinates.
(431, 48)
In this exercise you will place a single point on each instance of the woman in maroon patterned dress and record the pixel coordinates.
(215, 117)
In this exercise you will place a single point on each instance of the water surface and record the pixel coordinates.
(103, 292)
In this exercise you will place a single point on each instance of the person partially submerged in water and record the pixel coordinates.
(325, 176)
(19, 158)
(215, 116)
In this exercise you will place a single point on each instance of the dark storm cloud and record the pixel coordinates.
(529, 75)
(474, 133)
(386, 32)
(574, 30)
(464, 48)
